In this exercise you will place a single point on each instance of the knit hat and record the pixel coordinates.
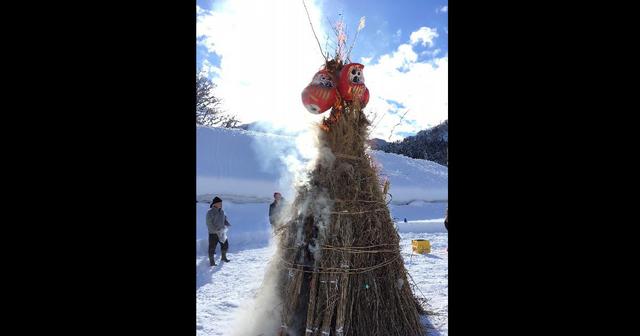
(216, 200)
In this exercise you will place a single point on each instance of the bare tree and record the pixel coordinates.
(208, 107)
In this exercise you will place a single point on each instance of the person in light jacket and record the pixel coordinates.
(217, 224)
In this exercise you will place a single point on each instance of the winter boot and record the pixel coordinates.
(224, 257)
(212, 261)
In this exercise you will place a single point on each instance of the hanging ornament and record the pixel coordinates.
(351, 84)
(321, 93)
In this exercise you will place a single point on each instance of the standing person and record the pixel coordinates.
(446, 219)
(446, 224)
(275, 209)
(217, 225)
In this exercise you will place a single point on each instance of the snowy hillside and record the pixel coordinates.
(249, 166)
(413, 179)
(431, 144)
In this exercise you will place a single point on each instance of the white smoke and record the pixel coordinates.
(268, 54)
(322, 207)
(261, 316)
(291, 157)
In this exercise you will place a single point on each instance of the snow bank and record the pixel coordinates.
(421, 216)
(422, 226)
(418, 210)
(228, 166)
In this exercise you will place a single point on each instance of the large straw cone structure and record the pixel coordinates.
(341, 268)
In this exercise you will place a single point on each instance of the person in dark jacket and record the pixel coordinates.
(275, 209)
(446, 219)
(446, 224)
(217, 224)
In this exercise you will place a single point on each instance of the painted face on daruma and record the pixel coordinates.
(355, 74)
(323, 78)
(351, 83)
(320, 94)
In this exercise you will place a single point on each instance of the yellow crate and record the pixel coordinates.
(421, 246)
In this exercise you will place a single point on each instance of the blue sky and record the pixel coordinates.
(385, 46)
(389, 23)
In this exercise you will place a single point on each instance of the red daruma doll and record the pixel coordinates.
(351, 85)
(320, 94)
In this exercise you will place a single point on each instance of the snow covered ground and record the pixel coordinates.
(245, 168)
(222, 291)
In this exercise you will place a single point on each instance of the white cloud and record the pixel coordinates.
(209, 70)
(442, 9)
(421, 87)
(432, 53)
(268, 55)
(424, 35)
